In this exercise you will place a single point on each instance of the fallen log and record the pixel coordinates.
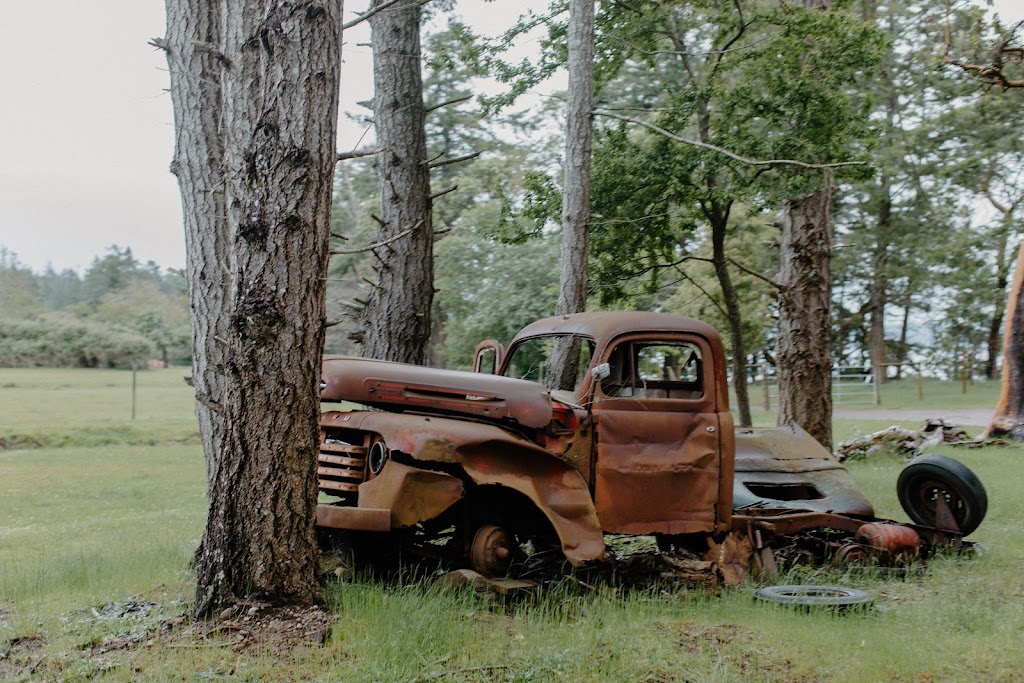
(909, 441)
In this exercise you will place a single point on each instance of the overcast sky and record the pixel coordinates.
(86, 125)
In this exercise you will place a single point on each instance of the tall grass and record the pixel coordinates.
(84, 526)
(66, 407)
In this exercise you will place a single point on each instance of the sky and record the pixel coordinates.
(86, 128)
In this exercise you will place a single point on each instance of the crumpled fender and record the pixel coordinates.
(492, 456)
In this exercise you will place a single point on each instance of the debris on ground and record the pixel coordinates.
(250, 627)
(903, 440)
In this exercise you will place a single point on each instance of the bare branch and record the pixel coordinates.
(377, 245)
(369, 13)
(339, 236)
(703, 291)
(160, 43)
(358, 153)
(457, 100)
(453, 160)
(750, 271)
(719, 150)
(443, 192)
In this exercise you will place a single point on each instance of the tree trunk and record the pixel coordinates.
(1002, 279)
(255, 95)
(572, 290)
(903, 347)
(880, 284)
(1008, 419)
(396, 319)
(719, 225)
(804, 348)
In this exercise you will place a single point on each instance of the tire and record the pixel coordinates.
(928, 476)
(815, 596)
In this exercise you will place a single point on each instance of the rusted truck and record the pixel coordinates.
(634, 437)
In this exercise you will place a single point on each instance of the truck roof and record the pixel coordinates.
(602, 325)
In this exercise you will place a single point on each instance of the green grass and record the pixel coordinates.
(62, 407)
(81, 527)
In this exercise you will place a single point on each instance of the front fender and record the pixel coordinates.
(491, 455)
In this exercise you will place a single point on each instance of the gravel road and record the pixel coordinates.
(977, 417)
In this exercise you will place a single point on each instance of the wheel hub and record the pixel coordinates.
(491, 551)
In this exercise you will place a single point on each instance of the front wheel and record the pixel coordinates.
(931, 480)
(492, 550)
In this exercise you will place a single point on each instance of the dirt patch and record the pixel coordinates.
(695, 638)
(19, 656)
(250, 628)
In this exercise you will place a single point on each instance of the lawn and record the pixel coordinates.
(97, 528)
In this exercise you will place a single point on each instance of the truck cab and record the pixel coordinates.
(632, 436)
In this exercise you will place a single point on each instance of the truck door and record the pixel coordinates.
(658, 465)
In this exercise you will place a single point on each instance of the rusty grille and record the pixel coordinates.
(342, 463)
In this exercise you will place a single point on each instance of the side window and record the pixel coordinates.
(655, 369)
(531, 359)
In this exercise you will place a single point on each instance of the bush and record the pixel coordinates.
(59, 341)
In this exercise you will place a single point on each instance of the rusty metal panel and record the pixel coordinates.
(556, 489)
(411, 494)
(352, 518)
(785, 467)
(657, 472)
(380, 383)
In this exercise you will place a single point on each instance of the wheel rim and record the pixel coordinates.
(925, 493)
(492, 550)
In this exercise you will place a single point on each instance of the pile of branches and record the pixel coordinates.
(910, 441)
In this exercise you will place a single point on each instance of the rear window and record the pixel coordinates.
(655, 369)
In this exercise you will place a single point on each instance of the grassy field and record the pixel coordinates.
(97, 526)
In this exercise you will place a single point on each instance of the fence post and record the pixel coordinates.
(133, 389)
(764, 386)
(963, 373)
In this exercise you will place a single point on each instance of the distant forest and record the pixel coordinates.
(119, 313)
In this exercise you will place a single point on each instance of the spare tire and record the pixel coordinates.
(814, 596)
(929, 476)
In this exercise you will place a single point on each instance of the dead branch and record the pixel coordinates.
(719, 150)
(369, 13)
(357, 153)
(453, 160)
(750, 271)
(909, 441)
(377, 245)
(457, 100)
(443, 192)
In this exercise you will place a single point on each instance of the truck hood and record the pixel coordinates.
(399, 386)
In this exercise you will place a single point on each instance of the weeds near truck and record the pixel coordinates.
(82, 529)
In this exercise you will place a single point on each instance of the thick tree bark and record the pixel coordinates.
(1008, 419)
(804, 347)
(572, 290)
(396, 319)
(255, 94)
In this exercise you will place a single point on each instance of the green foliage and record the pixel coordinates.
(119, 313)
(490, 289)
(57, 340)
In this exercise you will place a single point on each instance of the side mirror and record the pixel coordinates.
(601, 371)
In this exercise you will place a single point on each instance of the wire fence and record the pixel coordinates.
(851, 384)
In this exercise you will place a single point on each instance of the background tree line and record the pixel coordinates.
(118, 312)
(925, 227)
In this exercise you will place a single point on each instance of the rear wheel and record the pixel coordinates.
(932, 481)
